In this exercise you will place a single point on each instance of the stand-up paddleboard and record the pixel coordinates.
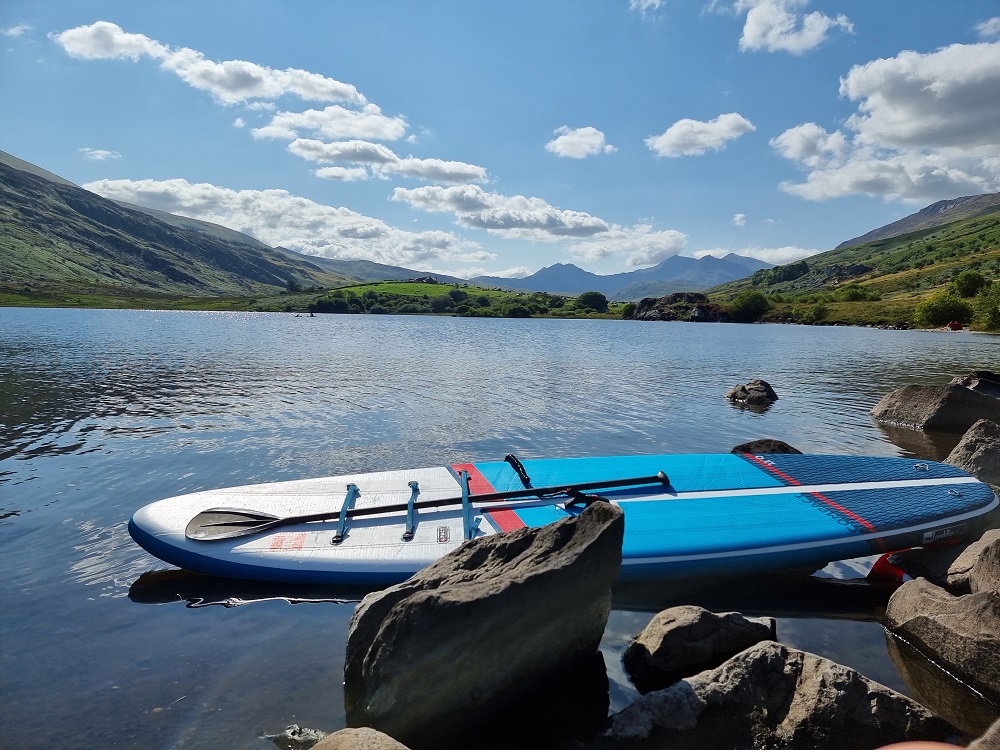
(685, 515)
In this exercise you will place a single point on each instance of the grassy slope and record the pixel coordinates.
(60, 239)
(902, 270)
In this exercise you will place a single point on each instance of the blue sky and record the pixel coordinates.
(498, 138)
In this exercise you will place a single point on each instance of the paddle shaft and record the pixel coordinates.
(486, 497)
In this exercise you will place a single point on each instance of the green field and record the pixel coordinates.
(385, 297)
(465, 300)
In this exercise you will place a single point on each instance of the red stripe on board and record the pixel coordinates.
(828, 501)
(771, 469)
(506, 520)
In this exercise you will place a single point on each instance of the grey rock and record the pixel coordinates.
(755, 393)
(764, 445)
(685, 640)
(297, 738)
(473, 632)
(978, 452)
(990, 740)
(772, 696)
(962, 634)
(985, 574)
(945, 408)
(984, 381)
(939, 691)
(362, 738)
(949, 567)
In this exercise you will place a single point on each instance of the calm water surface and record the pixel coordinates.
(102, 412)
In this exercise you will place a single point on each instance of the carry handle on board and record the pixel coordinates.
(227, 523)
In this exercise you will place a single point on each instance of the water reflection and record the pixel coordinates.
(103, 411)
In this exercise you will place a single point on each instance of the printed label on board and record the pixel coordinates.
(444, 534)
(948, 532)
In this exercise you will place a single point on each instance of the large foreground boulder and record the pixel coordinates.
(978, 452)
(686, 640)
(943, 408)
(962, 634)
(431, 660)
(773, 696)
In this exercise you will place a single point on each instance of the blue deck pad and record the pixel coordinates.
(687, 472)
(898, 508)
(716, 525)
(806, 469)
(713, 525)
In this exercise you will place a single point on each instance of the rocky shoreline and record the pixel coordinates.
(497, 644)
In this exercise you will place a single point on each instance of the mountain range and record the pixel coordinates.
(58, 235)
(55, 232)
(675, 274)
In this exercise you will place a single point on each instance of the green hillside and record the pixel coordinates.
(893, 281)
(57, 239)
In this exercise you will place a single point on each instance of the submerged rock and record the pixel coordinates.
(945, 408)
(683, 641)
(776, 697)
(433, 660)
(765, 445)
(297, 738)
(755, 393)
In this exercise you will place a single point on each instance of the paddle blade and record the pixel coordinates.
(224, 523)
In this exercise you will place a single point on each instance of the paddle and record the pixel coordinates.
(227, 523)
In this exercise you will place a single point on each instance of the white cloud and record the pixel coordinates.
(588, 238)
(357, 152)
(645, 6)
(775, 255)
(693, 137)
(230, 81)
(99, 154)
(578, 143)
(20, 30)
(811, 145)
(924, 130)
(280, 218)
(517, 272)
(384, 162)
(739, 220)
(435, 170)
(239, 122)
(639, 245)
(335, 122)
(989, 29)
(342, 174)
(776, 26)
(508, 216)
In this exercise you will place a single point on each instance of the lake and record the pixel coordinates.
(104, 411)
